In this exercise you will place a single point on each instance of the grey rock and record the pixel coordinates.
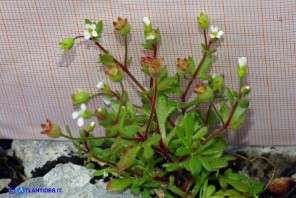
(282, 157)
(74, 183)
(35, 154)
(4, 183)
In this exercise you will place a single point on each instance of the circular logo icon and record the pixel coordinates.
(21, 190)
(11, 190)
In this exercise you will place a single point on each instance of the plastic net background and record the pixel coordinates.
(36, 81)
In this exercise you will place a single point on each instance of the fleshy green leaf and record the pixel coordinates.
(99, 27)
(171, 166)
(207, 62)
(127, 158)
(183, 151)
(242, 107)
(119, 184)
(224, 111)
(230, 96)
(200, 133)
(104, 171)
(87, 21)
(148, 152)
(189, 126)
(191, 65)
(195, 165)
(107, 60)
(163, 111)
(205, 163)
(210, 190)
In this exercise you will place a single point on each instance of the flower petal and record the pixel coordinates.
(212, 36)
(75, 115)
(94, 34)
(242, 61)
(150, 37)
(100, 85)
(146, 20)
(87, 26)
(87, 36)
(214, 29)
(220, 33)
(93, 26)
(83, 107)
(107, 101)
(80, 121)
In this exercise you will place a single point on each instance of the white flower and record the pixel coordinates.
(151, 37)
(146, 20)
(77, 115)
(107, 101)
(90, 31)
(214, 75)
(100, 85)
(242, 61)
(216, 33)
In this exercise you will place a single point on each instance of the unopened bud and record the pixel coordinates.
(245, 90)
(148, 25)
(101, 114)
(67, 44)
(216, 82)
(242, 67)
(91, 126)
(80, 98)
(203, 21)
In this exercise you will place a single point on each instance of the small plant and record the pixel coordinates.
(144, 148)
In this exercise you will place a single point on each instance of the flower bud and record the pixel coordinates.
(86, 114)
(216, 82)
(152, 37)
(67, 44)
(80, 98)
(242, 67)
(204, 92)
(91, 126)
(103, 86)
(203, 21)
(245, 90)
(51, 130)
(154, 67)
(115, 73)
(182, 66)
(122, 26)
(101, 114)
(148, 25)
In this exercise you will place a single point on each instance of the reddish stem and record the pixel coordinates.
(225, 126)
(152, 108)
(123, 68)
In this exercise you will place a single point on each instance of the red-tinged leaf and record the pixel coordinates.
(127, 158)
(119, 184)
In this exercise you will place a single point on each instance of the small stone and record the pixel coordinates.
(280, 186)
